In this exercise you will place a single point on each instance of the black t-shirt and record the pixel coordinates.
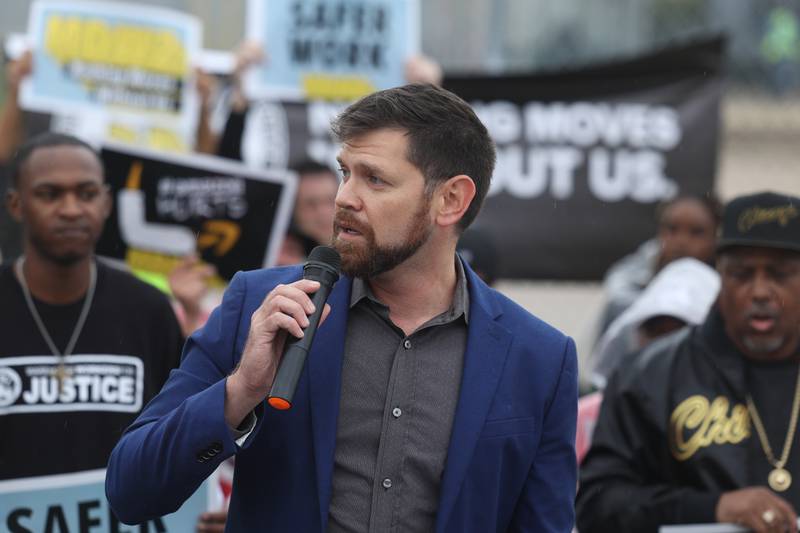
(129, 343)
(772, 387)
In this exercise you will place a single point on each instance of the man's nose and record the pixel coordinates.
(762, 287)
(347, 196)
(70, 206)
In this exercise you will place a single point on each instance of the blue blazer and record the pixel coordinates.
(510, 464)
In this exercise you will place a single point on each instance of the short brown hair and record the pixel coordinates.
(445, 137)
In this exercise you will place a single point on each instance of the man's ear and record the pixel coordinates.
(454, 197)
(107, 201)
(14, 204)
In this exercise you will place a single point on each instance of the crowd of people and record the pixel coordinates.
(430, 401)
(699, 426)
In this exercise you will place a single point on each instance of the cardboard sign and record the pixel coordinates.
(127, 67)
(167, 206)
(331, 50)
(77, 502)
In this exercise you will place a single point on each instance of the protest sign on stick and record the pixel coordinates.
(331, 50)
(127, 66)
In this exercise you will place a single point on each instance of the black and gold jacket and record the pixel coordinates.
(672, 435)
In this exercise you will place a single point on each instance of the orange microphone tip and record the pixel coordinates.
(279, 403)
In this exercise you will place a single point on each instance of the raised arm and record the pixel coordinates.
(11, 122)
(204, 413)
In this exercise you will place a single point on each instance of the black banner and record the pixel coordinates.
(584, 157)
(168, 206)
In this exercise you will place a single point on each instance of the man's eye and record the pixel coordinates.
(779, 275)
(344, 172)
(47, 194)
(375, 180)
(782, 274)
(697, 231)
(88, 195)
(739, 273)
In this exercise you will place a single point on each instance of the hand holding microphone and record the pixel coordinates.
(322, 266)
(281, 332)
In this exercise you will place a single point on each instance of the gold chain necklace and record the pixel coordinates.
(779, 478)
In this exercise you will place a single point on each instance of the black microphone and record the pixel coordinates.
(322, 266)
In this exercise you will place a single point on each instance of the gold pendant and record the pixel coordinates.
(61, 372)
(779, 479)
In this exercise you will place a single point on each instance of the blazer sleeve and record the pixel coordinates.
(548, 499)
(181, 436)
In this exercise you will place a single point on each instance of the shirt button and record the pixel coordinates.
(407, 344)
(387, 483)
(396, 412)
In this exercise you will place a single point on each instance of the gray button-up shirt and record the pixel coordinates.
(398, 400)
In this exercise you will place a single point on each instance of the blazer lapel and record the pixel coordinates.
(325, 373)
(487, 348)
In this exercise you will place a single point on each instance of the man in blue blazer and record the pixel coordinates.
(428, 402)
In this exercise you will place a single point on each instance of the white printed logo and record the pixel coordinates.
(90, 383)
(10, 386)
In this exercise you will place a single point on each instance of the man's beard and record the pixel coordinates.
(763, 346)
(760, 345)
(64, 259)
(370, 259)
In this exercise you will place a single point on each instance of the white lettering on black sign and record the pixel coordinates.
(206, 197)
(91, 383)
(620, 148)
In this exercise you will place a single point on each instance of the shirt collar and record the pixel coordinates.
(460, 305)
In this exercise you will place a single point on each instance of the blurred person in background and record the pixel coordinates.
(189, 286)
(84, 345)
(687, 227)
(780, 48)
(293, 248)
(12, 130)
(17, 125)
(680, 294)
(208, 93)
(314, 206)
(700, 427)
(229, 142)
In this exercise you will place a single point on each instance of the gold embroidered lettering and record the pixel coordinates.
(695, 423)
(759, 215)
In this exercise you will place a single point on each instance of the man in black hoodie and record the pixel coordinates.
(701, 426)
